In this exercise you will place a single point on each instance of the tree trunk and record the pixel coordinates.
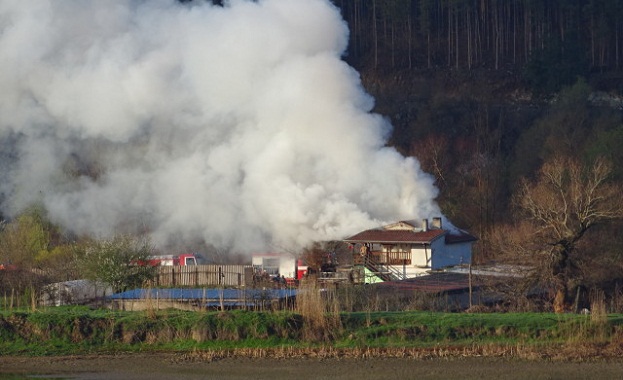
(560, 301)
(560, 275)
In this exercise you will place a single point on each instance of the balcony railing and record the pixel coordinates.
(392, 258)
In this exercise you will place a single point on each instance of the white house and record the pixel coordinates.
(409, 248)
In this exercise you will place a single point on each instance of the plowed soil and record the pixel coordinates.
(172, 366)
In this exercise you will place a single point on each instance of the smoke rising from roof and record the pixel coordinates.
(239, 126)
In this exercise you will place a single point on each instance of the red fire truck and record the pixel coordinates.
(169, 260)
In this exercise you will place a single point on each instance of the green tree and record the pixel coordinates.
(120, 262)
(23, 239)
(559, 63)
(61, 262)
(608, 144)
(562, 131)
(33, 244)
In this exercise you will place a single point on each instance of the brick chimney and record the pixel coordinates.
(425, 225)
(436, 223)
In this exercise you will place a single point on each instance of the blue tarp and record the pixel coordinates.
(211, 294)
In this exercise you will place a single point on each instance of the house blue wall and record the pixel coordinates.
(446, 255)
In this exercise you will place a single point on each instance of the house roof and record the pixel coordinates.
(460, 237)
(408, 232)
(380, 235)
(433, 283)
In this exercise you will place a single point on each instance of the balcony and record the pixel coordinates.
(391, 258)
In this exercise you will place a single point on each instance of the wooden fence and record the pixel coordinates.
(203, 275)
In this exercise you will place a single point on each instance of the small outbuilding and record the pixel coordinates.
(75, 292)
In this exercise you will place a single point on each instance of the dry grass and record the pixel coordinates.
(574, 353)
(320, 311)
(616, 300)
(599, 313)
(200, 334)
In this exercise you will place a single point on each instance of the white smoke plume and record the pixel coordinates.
(239, 126)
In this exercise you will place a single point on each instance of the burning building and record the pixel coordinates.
(410, 248)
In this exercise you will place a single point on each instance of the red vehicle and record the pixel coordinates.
(301, 269)
(7, 267)
(184, 259)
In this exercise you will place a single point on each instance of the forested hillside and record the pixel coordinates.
(484, 94)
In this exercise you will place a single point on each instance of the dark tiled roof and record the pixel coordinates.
(433, 283)
(395, 236)
(461, 237)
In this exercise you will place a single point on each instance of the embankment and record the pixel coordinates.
(217, 335)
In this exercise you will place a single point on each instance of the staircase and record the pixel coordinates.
(383, 271)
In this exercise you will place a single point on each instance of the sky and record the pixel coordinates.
(240, 127)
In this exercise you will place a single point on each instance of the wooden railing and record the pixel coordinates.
(392, 258)
(383, 264)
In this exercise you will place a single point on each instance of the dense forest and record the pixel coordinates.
(563, 37)
(489, 95)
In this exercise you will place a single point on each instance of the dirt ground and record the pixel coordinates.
(169, 366)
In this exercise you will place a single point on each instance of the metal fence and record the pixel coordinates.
(202, 275)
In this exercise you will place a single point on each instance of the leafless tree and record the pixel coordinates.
(327, 253)
(433, 154)
(565, 201)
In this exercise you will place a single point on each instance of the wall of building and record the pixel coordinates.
(437, 256)
(275, 263)
(452, 254)
(421, 257)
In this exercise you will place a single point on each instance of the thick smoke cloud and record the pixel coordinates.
(239, 126)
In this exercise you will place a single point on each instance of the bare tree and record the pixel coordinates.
(433, 154)
(319, 255)
(566, 200)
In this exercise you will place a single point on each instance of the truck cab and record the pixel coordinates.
(187, 259)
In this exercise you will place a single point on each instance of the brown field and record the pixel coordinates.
(181, 367)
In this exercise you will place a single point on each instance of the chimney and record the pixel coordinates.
(436, 223)
(425, 225)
